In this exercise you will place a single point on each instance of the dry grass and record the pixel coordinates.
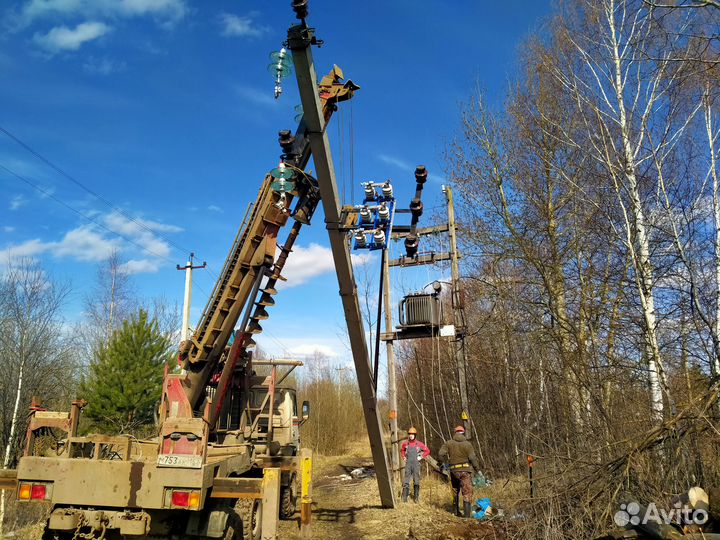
(351, 509)
(24, 520)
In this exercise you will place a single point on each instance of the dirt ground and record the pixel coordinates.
(345, 508)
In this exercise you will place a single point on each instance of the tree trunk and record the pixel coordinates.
(11, 440)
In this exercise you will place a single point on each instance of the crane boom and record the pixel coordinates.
(252, 258)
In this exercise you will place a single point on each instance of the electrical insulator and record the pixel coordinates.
(369, 192)
(384, 212)
(365, 215)
(387, 190)
(416, 208)
(379, 237)
(360, 240)
(421, 174)
(411, 245)
(281, 67)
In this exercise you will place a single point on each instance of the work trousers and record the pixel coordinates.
(412, 471)
(462, 481)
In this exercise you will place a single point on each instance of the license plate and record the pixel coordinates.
(174, 460)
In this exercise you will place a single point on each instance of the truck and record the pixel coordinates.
(225, 460)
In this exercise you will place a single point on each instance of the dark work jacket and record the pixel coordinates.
(457, 451)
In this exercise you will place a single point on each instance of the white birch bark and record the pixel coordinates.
(712, 140)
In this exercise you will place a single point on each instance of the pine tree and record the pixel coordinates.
(124, 381)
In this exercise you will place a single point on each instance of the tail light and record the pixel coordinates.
(33, 491)
(38, 491)
(24, 492)
(182, 498)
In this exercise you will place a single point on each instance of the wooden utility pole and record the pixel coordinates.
(300, 39)
(458, 311)
(392, 381)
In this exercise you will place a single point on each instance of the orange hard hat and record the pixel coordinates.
(412, 431)
(459, 429)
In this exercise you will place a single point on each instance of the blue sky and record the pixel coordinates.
(164, 109)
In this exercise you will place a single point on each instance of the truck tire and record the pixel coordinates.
(250, 512)
(287, 502)
(234, 527)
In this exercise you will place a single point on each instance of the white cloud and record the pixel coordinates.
(242, 26)
(84, 244)
(213, 208)
(303, 346)
(137, 225)
(8, 229)
(91, 243)
(305, 263)
(26, 249)
(17, 201)
(258, 97)
(169, 11)
(406, 167)
(62, 38)
(140, 266)
(396, 162)
(310, 349)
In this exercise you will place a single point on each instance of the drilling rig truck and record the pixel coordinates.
(225, 458)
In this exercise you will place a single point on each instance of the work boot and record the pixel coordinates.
(405, 493)
(416, 493)
(468, 509)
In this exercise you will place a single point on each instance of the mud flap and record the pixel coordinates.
(211, 524)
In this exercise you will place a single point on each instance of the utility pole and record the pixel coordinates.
(458, 310)
(188, 294)
(392, 381)
(300, 39)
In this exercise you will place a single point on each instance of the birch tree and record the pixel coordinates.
(622, 71)
(35, 356)
(107, 304)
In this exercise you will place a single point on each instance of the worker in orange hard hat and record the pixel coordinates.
(413, 452)
(460, 455)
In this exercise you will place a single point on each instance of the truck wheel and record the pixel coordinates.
(250, 512)
(234, 528)
(287, 502)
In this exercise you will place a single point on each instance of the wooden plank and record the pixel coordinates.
(401, 231)
(234, 488)
(271, 504)
(8, 479)
(430, 258)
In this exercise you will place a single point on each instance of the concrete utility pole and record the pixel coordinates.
(392, 381)
(300, 40)
(458, 311)
(188, 294)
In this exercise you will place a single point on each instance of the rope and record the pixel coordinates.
(409, 394)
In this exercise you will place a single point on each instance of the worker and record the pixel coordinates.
(460, 455)
(413, 452)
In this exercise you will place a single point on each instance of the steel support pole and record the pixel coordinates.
(299, 41)
(392, 381)
(458, 313)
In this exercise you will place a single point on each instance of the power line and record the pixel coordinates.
(50, 195)
(99, 197)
